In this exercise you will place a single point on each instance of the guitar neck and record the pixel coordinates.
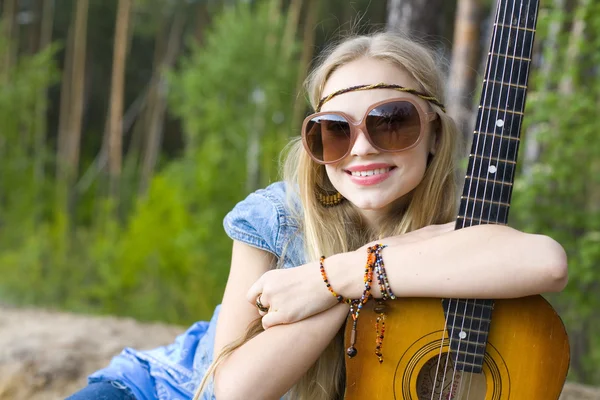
(492, 162)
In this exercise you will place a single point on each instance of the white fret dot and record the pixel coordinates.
(462, 334)
(492, 169)
(499, 123)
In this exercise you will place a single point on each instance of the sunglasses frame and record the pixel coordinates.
(424, 116)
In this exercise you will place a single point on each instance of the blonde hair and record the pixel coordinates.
(338, 229)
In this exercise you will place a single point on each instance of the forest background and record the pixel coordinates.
(129, 128)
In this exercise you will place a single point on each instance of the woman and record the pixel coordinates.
(377, 161)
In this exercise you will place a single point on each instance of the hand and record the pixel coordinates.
(291, 295)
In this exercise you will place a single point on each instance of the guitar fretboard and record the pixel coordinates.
(492, 161)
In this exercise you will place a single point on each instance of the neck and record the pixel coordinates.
(374, 219)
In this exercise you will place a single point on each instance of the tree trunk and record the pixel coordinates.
(115, 138)
(9, 14)
(421, 18)
(464, 66)
(308, 48)
(291, 26)
(73, 136)
(157, 107)
(47, 23)
(202, 21)
(65, 107)
(532, 148)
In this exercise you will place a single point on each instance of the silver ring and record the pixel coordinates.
(260, 306)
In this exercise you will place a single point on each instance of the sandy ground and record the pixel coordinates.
(46, 355)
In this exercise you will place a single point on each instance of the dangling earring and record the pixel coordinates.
(329, 200)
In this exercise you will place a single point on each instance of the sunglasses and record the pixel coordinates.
(389, 126)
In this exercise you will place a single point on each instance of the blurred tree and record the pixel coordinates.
(415, 17)
(115, 137)
(69, 144)
(168, 44)
(466, 49)
(560, 191)
(10, 31)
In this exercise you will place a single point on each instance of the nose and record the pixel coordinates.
(362, 146)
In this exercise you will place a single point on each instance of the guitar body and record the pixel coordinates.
(527, 354)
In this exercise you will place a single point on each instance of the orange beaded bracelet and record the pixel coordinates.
(339, 298)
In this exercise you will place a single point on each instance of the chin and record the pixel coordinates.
(370, 204)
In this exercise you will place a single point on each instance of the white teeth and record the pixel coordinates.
(371, 172)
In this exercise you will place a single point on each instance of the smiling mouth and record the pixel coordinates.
(372, 172)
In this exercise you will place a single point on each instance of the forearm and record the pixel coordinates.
(267, 366)
(476, 262)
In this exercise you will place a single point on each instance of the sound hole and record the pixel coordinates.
(448, 384)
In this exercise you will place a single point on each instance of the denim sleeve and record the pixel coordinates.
(257, 220)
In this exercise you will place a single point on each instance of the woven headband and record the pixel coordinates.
(399, 88)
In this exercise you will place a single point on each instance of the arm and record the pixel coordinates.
(486, 261)
(269, 364)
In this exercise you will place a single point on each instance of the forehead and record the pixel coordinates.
(365, 71)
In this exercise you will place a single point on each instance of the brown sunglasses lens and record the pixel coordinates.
(392, 126)
(328, 137)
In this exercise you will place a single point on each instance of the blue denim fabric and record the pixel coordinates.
(103, 391)
(173, 372)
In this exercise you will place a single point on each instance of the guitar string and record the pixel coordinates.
(507, 101)
(437, 368)
(493, 130)
(477, 141)
(534, 18)
(505, 156)
(485, 90)
(468, 301)
(494, 125)
(462, 328)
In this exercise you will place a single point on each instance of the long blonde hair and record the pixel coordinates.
(338, 229)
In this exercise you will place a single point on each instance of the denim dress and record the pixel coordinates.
(173, 372)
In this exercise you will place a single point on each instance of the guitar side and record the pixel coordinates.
(527, 355)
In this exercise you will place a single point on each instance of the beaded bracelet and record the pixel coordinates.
(339, 297)
(374, 265)
(357, 305)
(384, 284)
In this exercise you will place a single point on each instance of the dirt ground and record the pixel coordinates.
(46, 355)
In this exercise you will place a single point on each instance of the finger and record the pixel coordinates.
(255, 290)
(271, 319)
(263, 307)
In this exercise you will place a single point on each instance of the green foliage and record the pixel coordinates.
(170, 259)
(20, 85)
(559, 195)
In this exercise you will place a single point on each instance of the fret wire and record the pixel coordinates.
(498, 203)
(509, 56)
(469, 354)
(467, 363)
(502, 160)
(471, 330)
(501, 110)
(474, 318)
(480, 303)
(478, 220)
(497, 135)
(471, 343)
(504, 83)
(489, 180)
(514, 27)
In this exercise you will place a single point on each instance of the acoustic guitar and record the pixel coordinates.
(449, 348)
